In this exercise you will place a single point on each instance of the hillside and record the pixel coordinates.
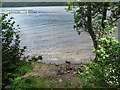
(28, 4)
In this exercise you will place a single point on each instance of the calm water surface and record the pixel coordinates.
(50, 33)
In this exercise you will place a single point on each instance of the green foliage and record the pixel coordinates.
(22, 84)
(81, 13)
(24, 68)
(30, 82)
(13, 62)
(104, 72)
(68, 83)
(86, 14)
(36, 58)
(90, 16)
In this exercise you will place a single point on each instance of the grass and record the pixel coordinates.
(25, 68)
(31, 82)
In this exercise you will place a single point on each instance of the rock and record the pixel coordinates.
(68, 71)
(68, 62)
(70, 68)
(57, 65)
(59, 72)
(74, 69)
(60, 80)
(40, 57)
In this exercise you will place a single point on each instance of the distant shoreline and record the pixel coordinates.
(23, 10)
(32, 4)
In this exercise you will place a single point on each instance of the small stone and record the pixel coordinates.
(40, 57)
(68, 71)
(68, 62)
(57, 65)
(60, 80)
(70, 68)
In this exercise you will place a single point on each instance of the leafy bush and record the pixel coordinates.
(105, 72)
(13, 60)
(31, 83)
(22, 83)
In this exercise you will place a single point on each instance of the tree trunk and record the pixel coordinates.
(89, 26)
(90, 29)
(104, 14)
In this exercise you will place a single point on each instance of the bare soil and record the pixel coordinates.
(63, 75)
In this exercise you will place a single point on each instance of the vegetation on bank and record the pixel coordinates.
(29, 4)
(105, 72)
(47, 76)
(14, 63)
(92, 17)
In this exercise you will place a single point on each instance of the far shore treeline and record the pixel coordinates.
(28, 4)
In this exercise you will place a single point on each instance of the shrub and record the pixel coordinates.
(105, 72)
(12, 55)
